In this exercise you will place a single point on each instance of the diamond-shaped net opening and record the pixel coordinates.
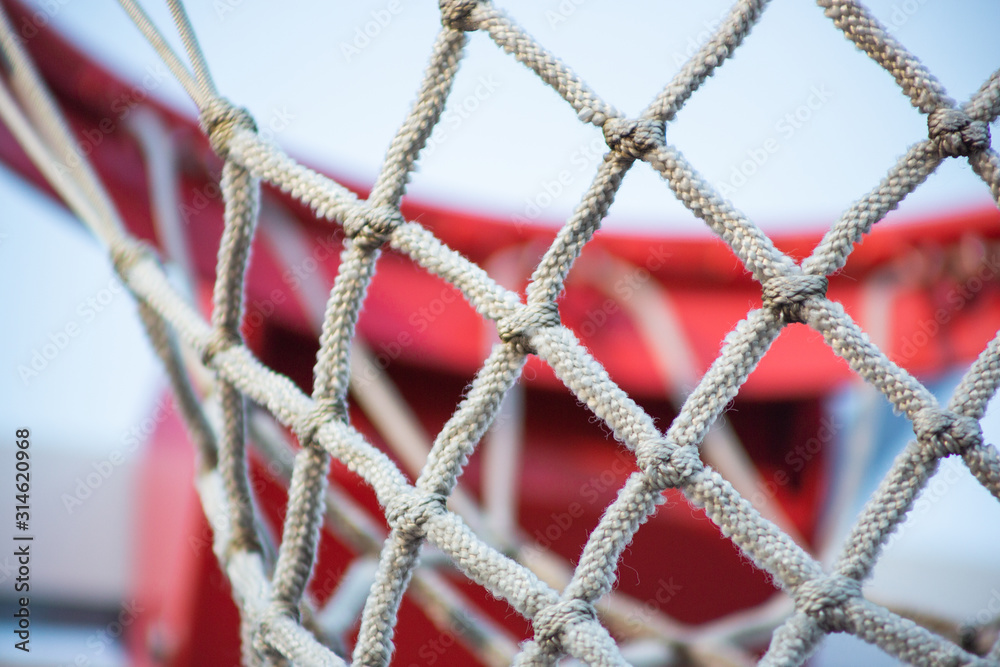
(270, 590)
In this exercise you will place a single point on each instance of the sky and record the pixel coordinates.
(819, 121)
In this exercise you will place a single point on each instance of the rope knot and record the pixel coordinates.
(518, 327)
(787, 295)
(260, 625)
(284, 608)
(944, 432)
(666, 464)
(552, 622)
(825, 598)
(219, 119)
(323, 410)
(126, 254)
(410, 511)
(633, 137)
(370, 227)
(458, 14)
(956, 134)
(221, 340)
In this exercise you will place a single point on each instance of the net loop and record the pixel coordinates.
(786, 295)
(518, 327)
(219, 119)
(458, 15)
(667, 465)
(551, 623)
(410, 511)
(262, 626)
(944, 432)
(221, 340)
(323, 410)
(825, 600)
(127, 253)
(370, 227)
(956, 134)
(634, 137)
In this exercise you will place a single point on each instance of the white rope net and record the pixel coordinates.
(271, 592)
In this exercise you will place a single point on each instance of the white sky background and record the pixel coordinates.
(346, 102)
(291, 63)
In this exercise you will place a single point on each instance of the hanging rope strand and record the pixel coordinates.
(200, 95)
(193, 47)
